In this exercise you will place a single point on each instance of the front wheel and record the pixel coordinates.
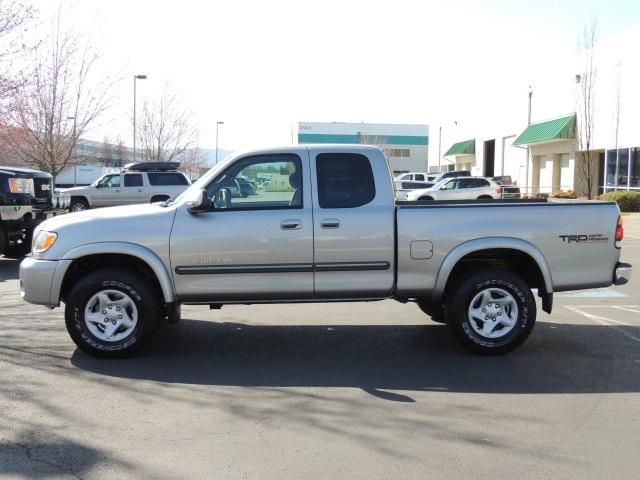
(112, 313)
(491, 311)
(78, 205)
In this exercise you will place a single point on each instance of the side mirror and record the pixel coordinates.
(199, 202)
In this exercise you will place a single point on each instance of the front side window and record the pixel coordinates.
(345, 180)
(110, 181)
(259, 183)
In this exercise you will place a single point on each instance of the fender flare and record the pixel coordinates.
(454, 256)
(147, 256)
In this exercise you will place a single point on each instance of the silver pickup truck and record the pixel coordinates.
(141, 182)
(327, 229)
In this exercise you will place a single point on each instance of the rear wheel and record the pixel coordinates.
(112, 313)
(491, 312)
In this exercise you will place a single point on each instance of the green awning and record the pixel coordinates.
(466, 147)
(561, 128)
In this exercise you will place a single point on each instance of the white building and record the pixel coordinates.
(544, 155)
(406, 146)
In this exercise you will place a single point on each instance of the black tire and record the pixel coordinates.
(112, 297)
(3, 240)
(78, 205)
(433, 309)
(161, 198)
(244, 194)
(19, 247)
(491, 311)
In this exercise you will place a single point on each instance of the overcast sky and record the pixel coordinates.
(261, 66)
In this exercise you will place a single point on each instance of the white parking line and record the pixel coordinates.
(606, 322)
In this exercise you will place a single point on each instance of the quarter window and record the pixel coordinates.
(345, 180)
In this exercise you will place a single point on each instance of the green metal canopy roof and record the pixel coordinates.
(561, 128)
(466, 147)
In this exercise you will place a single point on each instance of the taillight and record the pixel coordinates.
(499, 190)
(619, 233)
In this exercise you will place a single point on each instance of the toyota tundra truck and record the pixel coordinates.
(331, 232)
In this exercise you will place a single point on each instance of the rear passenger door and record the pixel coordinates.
(353, 233)
(133, 189)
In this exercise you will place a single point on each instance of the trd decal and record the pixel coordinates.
(584, 238)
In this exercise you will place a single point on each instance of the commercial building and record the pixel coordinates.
(548, 152)
(406, 146)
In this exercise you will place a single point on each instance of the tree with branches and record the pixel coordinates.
(55, 107)
(587, 159)
(165, 131)
(15, 18)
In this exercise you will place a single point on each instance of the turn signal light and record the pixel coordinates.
(619, 232)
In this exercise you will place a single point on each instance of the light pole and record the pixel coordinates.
(135, 77)
(526, 170)
(217, 125)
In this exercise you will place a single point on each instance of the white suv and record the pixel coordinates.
(461, 188)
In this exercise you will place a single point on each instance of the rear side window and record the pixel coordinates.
(167, 178)
(345, 180)
(133, 180)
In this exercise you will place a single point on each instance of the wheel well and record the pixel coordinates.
(426, 197)
(159, 198)
(485, 197)
(85, 265)
(79, 197)
(513, 260)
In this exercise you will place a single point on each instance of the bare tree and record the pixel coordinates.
(366, 138)
(192, 162)
(15, 17)
(165, 131)
(587, 159)
(52, 111)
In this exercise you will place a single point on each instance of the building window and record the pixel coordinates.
(397, 152)
(622, 169)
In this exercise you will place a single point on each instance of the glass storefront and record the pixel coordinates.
(622, 169)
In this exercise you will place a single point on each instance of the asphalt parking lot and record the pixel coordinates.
(348, 391)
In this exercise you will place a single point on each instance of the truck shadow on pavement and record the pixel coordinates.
(557, 358)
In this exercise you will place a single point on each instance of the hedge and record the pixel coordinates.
(627, 201)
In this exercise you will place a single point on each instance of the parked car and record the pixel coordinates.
(509, 190)
(246, 187)
(140, 182)
(442, 175)
(404, 187)
(419, 176)
(461, 188)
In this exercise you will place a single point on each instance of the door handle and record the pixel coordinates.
(330, 223)
(291, 225)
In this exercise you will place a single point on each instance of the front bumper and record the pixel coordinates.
(41, 280)
(622, 273)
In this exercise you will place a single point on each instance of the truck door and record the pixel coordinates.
(353, 229)
(257, 248)
(133, 190)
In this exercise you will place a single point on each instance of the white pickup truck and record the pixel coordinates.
(140, 182)
(333, 232)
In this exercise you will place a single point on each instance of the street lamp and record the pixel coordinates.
(217, 125)
(135, 77)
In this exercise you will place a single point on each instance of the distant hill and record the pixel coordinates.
(210, 154)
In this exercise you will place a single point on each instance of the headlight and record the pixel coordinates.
(21, 185)
(43, 241)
